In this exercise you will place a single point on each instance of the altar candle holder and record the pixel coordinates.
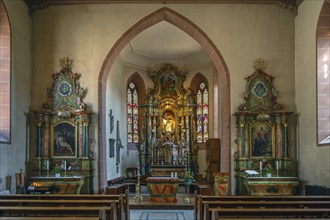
(47, 168)
(138, 198)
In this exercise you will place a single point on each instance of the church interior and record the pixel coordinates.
(165, 103)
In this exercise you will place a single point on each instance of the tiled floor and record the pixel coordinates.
(161, 214)
(145, 210)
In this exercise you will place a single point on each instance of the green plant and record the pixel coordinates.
(268, 168)
(57, 169)
(188, 177)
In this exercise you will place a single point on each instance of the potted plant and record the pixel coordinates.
(57, 171)
(268, 169)
(188, 178)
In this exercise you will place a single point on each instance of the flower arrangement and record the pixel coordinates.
(268, 168)
(188, 177)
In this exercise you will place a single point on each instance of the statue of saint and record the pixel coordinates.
(168, 124)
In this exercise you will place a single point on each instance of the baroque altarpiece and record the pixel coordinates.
(63, 131)
(262, 136)
(169, 126)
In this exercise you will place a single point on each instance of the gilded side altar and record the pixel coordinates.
(57, 185)
(263, 141)
(263, 186)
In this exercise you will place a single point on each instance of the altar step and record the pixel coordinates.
(145, 204)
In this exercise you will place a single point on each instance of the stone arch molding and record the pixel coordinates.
(165, 14)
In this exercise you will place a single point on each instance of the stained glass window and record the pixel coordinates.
(132, 114)
(202, 113)
(5, 95)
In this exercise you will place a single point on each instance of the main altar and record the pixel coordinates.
(265, 160)
(169, 126)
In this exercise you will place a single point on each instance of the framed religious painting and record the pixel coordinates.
(262, 140)
(64, 140)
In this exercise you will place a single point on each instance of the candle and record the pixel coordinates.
(277, 165)
(47, 165)
(260, 165)
(138, 168)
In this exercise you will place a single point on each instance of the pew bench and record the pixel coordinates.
(102, 212)
(305, 201)
(210, 206)
(52, 218)
(121, 201)
(116, 189)
(269, 212)
(116, 186)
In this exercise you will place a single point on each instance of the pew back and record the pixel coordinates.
(121, 201)
(104, 213)
(257, 201)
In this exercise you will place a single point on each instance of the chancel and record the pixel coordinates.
(176, 109)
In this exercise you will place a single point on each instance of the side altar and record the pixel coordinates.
(265, 156)
(274, 185)
(56, 185)
(63, 131)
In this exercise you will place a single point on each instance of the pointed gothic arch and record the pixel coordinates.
(169, 15)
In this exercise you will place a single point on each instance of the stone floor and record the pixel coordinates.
(145, 210)
(161, 214)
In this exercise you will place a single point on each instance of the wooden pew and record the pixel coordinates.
(298, 208)
(199, 200)
(219, 213)
(104, 213)
(122, 201)
(50, 218)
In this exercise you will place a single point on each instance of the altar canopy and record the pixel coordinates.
(169, 126)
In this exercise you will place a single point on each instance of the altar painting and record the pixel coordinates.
(168, 83)
(262, 140)
(64, 140)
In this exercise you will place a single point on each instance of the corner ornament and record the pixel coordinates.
(260, 64)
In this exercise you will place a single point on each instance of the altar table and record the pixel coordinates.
(57, 185)
(271, 185)
(162, 189)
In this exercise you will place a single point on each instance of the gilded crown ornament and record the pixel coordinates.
(259, 64)
(66, 63)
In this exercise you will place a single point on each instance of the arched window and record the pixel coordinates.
(4, 75)
(323, 77)
(132, 114)
(202, 113)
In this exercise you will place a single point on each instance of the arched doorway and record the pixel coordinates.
(166, 14)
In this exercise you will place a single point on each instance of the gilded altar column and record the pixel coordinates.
(80, 136)
(39, 139)
(85, 138)
(286, 138)
(47, 140)
(278, 137)
(242, 134)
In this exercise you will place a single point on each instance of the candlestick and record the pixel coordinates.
(138, 168)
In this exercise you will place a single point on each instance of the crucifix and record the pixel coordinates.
(118, 146)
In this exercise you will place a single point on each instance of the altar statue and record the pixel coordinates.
(168, 125)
